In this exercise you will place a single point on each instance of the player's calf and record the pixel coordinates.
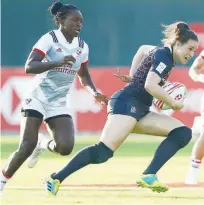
(18, 158)
(181, 135)
(177, 139)
(94, 154)
(15, 161)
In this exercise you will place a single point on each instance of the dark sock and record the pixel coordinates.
(177, 139)
(94, 154)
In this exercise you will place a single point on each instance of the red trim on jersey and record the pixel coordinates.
(202, 57)
(39, 51)
(84, 63)
(5, 175)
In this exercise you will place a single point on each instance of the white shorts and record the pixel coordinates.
(202, 106)
(46, 110)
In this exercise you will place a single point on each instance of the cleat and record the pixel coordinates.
(151, 181)
(2, 184)
(52, 186)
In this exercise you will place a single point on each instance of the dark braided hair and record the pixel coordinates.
(60, 11)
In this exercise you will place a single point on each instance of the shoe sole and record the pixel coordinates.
(155, 188)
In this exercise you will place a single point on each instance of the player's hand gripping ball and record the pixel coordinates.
(176, 90)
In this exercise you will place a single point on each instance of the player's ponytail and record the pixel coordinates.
(178, 31)
(55, 7)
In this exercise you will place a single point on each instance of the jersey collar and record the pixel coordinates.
(62, 39)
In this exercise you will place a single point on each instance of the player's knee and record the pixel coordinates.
(181, 135)
(101, 153)
(26, 148)
(64, 149)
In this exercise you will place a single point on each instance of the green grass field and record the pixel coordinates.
(109, 183)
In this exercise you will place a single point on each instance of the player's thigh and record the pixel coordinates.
(30, 125)
(202, 115)
(61, 128)
(157, 124)
(32, 115)
(116, 130)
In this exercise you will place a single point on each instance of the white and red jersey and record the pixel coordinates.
(202, 54)
(201, 79)
(52, 86)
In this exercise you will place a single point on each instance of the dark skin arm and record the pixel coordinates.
(35, 66)
(86, 81)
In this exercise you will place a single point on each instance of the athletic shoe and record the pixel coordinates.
(151, 181)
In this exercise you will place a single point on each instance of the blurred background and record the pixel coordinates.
(114, 30)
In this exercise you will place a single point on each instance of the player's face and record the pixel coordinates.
(73, 23)
(184, 52)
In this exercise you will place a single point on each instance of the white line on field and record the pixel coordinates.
(95, 188)
(92, 204)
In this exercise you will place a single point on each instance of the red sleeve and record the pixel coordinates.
(39, 51)
(84, 63)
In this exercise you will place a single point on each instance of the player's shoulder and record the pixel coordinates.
(86, 47)
(47, 36)
(82, 42)
(202, 54)
(54, 36)
(83, 45)
(164, 53)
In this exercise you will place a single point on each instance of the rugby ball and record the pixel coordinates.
(176, 90)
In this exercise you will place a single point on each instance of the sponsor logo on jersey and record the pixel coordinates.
(59, 50)
(27, 101)
(66, 70)
(78, 52)
(160, 68)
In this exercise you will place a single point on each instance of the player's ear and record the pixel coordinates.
(178, 44)
(61, 22)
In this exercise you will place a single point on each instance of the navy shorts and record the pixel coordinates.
(127, 105)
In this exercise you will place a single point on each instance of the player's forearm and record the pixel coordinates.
(196, 69)
(87, 83)
(158, 92)
(194, 74)
(36, 67)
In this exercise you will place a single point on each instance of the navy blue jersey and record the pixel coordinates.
(160, 61)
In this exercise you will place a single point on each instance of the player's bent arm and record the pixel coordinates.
(141, 53)
(35, 66)
(85, 79)
(153, 88)
(197, 65)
